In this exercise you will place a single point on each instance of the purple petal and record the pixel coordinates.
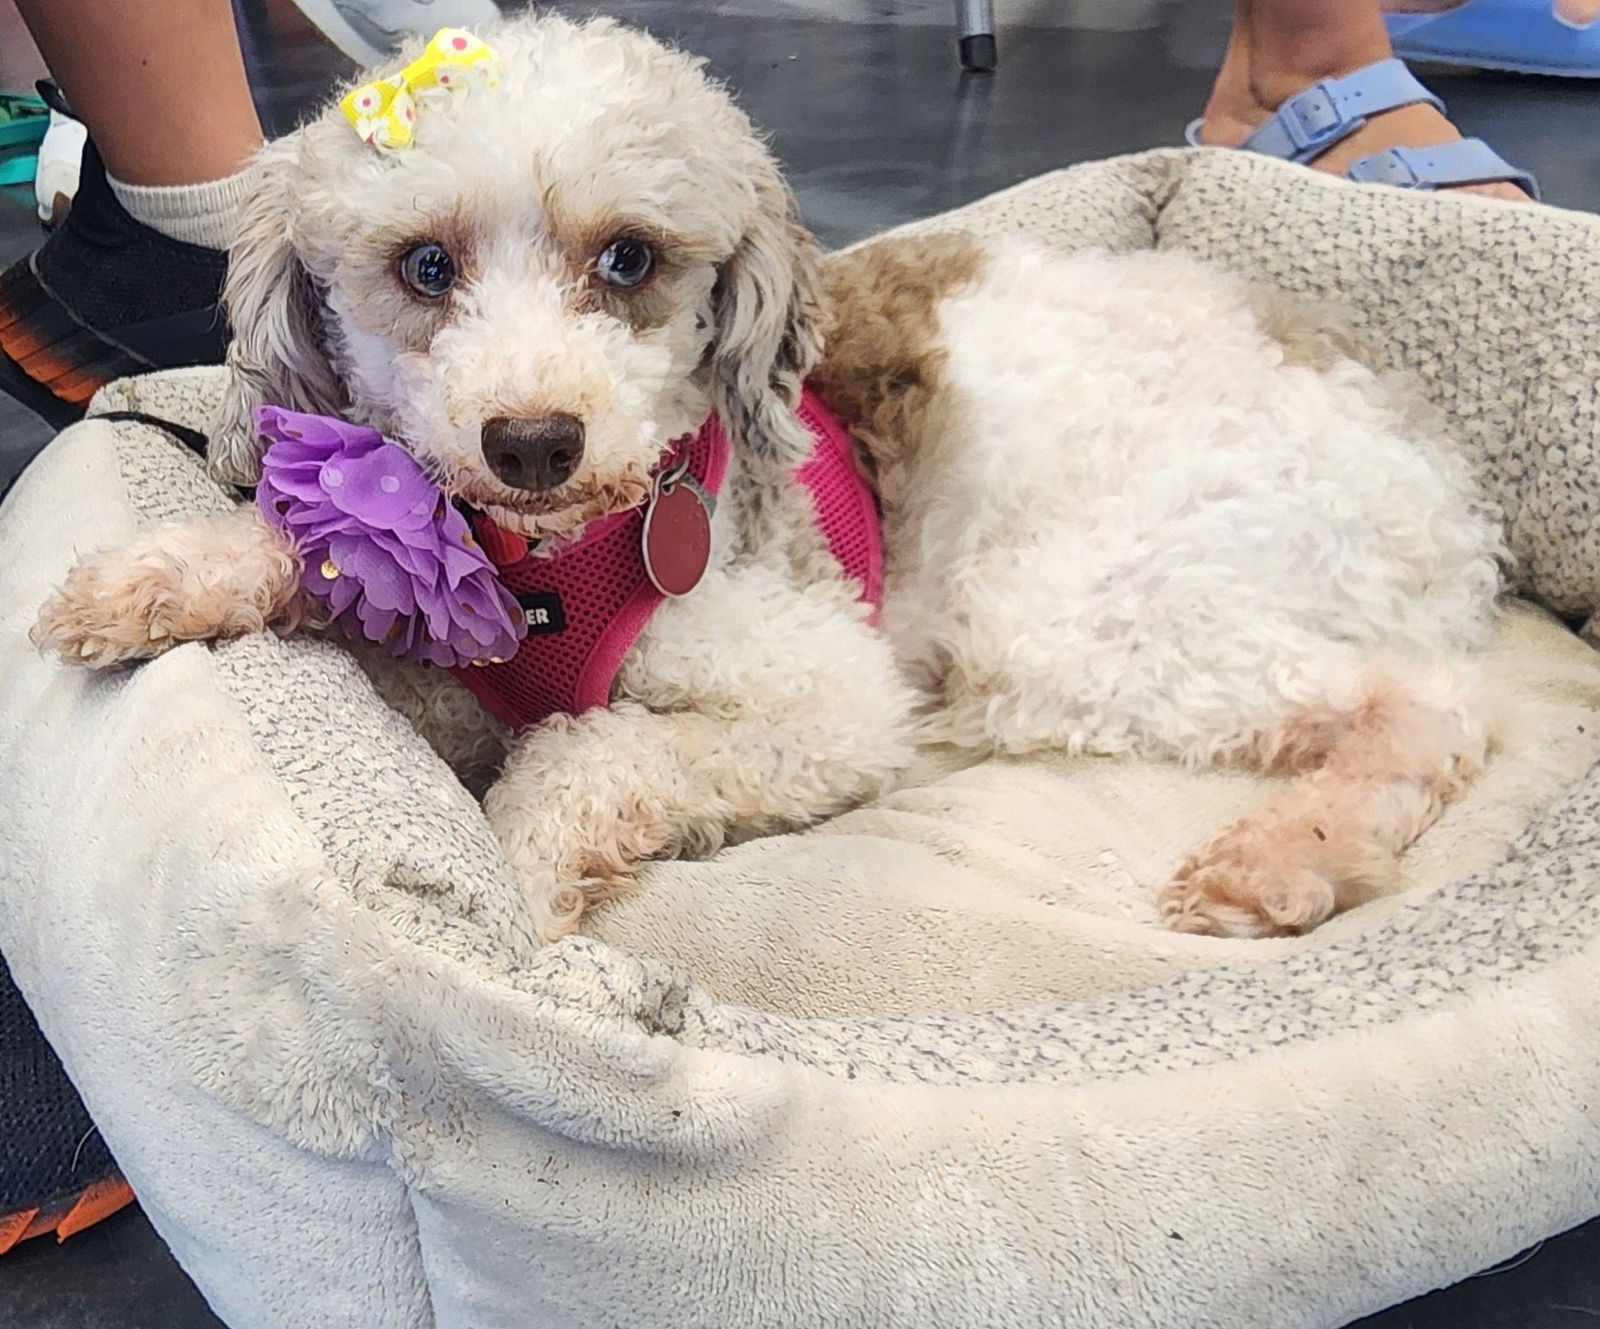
(293, 482)
(309, 525)
(441, 654)
(454, 529)
(417, 564)
(375, 623)
(382, 487)
(428, 537)
(410, 637)
(422, 512)
(344, 546)
(386, 586)
(481, 599)
(294, 454)
(343, 594)
(277, 424)
(459, 564)
(479, 632)
(493, 605)
(436, 614)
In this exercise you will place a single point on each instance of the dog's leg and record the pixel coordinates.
(209, 578)
(1373, 773)
(583, 800)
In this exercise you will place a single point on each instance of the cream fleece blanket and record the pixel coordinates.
(1021, 881)
(931, 1063)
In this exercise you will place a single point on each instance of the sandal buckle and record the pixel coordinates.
(1392, 166)
(1314, 120)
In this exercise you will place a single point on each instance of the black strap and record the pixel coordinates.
(192, 439)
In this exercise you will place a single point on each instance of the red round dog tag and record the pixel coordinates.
(677, 537)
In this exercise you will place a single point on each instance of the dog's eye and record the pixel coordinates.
(624, 262)
(428, 270)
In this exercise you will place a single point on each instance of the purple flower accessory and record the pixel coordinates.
(382, 547)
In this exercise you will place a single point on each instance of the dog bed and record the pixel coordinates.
(931, 1063)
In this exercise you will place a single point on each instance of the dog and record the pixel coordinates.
(1131, 505)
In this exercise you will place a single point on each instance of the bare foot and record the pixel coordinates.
(1277, 51)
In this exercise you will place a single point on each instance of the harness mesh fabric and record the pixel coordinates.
(845, 506)
(606, 599)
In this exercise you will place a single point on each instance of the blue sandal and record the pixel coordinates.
(1525, 36)
(1328, 112)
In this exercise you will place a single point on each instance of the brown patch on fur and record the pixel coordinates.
(385, 303)
(651, 304)
(458, 230)
(1314, 334)
(585, 224)
(655, 300)
(882, 364)
(643, 308)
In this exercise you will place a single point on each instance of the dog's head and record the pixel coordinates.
(560, 276)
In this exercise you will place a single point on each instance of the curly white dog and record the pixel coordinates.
(1131, 505)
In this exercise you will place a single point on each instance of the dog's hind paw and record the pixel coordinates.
(1222, 893)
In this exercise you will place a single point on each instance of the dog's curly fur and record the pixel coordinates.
(1132, 506)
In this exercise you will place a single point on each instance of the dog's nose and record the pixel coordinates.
(533, 454)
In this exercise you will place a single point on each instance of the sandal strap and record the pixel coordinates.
(1467, 161)
(1315, 118)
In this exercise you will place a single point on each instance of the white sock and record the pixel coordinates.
(203, 214)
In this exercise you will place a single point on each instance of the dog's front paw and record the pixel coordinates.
(108, 612)
(1237, 887)
(559, 903)
(134, 603)
(577, 865)
(570, 847)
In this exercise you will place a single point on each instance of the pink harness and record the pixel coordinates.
(586, 604)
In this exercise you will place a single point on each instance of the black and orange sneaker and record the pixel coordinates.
(104, 297)
(56, 1174)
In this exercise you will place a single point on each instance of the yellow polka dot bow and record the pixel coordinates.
(385, 113)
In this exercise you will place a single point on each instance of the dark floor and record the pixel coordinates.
(876, 125)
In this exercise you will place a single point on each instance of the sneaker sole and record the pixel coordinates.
(44, 350)
(68, 1216)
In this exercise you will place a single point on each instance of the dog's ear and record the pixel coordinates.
(767, 308)
(275, 308)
